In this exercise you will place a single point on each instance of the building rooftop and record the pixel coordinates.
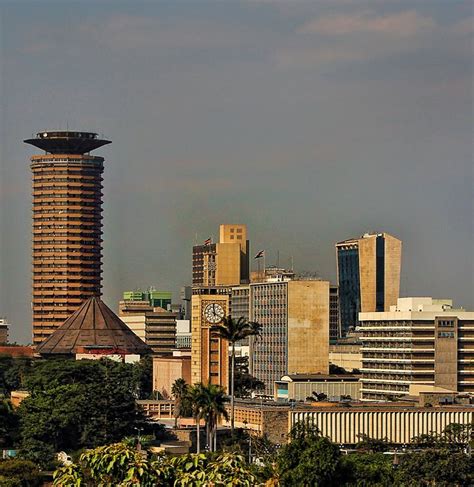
(67, 142)
(93, 326)
(319, 378)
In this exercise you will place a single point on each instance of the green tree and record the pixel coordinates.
(309, 460)
(244, 382)
(435, 467)
(234, 331)
(182, 406)
(208, 403)
(8, 424)
(19, 473)
(364, 469)
(12, 373)
(94, 405)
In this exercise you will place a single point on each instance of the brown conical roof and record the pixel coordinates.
(93, 325)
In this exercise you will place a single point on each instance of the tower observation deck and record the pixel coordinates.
(67, 226)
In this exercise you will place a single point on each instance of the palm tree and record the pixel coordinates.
(197, 398)
(234, 331)
(213, 407)
(180, 391)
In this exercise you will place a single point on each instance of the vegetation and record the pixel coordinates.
(244, 382)
(120, 465)
(12, 373)
(18, 473)
(234, 331)
(77, 404)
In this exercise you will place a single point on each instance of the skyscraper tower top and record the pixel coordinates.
(67, 226)
(67, 142)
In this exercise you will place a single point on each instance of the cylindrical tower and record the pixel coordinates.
(67, 226)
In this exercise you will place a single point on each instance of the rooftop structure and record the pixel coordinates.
(67, 142)
(93, 327)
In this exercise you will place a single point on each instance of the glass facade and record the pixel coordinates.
(349, 286)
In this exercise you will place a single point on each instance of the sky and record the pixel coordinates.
(311, 121)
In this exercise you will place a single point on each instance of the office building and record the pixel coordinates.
(155, 326)
(420, 342)
(368, 271)
(209, 353)
(166, 370)
(183, 334)
(295, 329)
(225, 263)
(4, 325)
(156, 299)
(67, 226)
(334, 323)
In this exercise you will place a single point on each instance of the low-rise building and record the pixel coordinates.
(3, 331)
(167, 369)
(298, 387)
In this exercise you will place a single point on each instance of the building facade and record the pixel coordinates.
(209, 353)
(295, 329)
(420, 341)
(3, 331)
(155, 326)
(398, 424)
(225, 263)
(155, 298)
(368, 270)
(67, 226)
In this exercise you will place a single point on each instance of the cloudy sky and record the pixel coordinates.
(309, 120)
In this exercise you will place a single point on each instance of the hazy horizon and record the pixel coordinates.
(311, 122)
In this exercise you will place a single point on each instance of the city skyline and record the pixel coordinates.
(310, 124)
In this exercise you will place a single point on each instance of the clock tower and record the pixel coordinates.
(210, 353)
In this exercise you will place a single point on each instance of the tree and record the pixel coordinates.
(123, 466)
(16, 472)
(360, 469)
(8, 424)
(12, 373)
(182, 406)
(244, 382)
(373, 445)
(233, 331)
(209, 404)
(309, 460)
(94, 404)
(317, 396)
(435, 467)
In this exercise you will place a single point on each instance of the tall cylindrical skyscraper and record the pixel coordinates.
(67, 226)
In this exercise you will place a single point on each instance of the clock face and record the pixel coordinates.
(214, 313)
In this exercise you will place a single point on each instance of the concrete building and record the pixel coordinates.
(155, 298)
(183, 334)
(225, 263)
(298, 387)
(166, 370)
(209, 353)
(67, 226)
(4, 325)
(295, 328)
(334, 323)
(344, 425)
(398, 424)
(155, 326)
(368, 270)
(422, 341)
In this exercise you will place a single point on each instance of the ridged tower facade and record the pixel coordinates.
(67, 226)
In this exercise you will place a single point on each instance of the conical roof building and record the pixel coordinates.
(93, 327)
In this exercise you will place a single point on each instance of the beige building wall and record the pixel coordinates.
(227, 264)
(398, 425)
(136, 323)
(348, 357)
(393, 261)
(446, 352)
(166, 370)
(308, 327)
(367, 272)
(209, 354)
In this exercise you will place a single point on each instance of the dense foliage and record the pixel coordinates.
(13, 372)
(78, 404)
(120, 465)
(19, 473)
